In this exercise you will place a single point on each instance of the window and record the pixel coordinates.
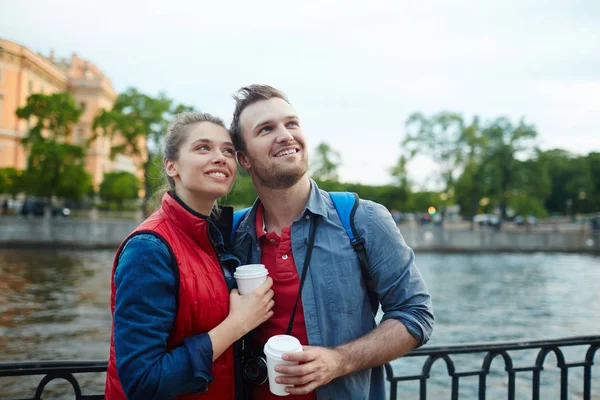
(82, 105)
(80, 139)
(30, 87)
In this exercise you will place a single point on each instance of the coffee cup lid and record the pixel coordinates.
(251, 276)
(250, 270)
(279, 344)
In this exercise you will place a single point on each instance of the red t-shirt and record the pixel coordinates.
(278, 259)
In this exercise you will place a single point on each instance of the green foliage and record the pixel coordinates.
(119, 187)
(325, 163)
(438, 136)
(54, 114)
(573, 181)
(242, 194)
(54, 167)
(136, 126)
(11, 181)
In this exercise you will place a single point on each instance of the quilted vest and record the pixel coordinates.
(203, 299)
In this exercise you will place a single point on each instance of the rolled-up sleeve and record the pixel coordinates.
(394, 275)
(145, 309)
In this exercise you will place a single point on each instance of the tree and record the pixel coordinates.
(530, 188)
(11, 181)
(54, 115)
(593, 160)
(325, 163)
(475, 161)
(506, 142)
(136, 125)
(438, 137)
(54, 167)
(118, 187)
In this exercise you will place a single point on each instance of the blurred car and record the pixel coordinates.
(530, 220)
(486, 219)
(37, 207)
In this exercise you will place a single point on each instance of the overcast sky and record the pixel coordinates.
(353, 70)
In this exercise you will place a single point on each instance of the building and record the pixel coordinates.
(23, 72)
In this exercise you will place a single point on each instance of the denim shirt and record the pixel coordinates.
(336, 302)
(145, 310)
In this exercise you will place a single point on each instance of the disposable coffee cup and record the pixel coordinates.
(274, 349)
(250, 277)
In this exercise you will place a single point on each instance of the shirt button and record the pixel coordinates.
(284, 257)
(307, 217)
(272, 240)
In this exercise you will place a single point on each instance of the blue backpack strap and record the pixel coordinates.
(238, 216)
(346, 204)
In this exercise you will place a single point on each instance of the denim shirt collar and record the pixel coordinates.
(315, 205)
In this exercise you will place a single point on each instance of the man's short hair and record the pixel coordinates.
(244, 97)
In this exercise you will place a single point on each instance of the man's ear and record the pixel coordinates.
(242, 159)
(171, 168)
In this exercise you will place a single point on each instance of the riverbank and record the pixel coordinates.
(61, 233)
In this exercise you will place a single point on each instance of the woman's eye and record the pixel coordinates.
(292, 123)
(229, 151)
(202, 147)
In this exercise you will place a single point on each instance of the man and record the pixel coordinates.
(344, 350)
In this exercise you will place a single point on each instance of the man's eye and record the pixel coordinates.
(292, 123)
(265, 129)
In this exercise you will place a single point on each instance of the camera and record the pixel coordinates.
(254, 363)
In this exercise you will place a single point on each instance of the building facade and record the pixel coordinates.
(23, 72)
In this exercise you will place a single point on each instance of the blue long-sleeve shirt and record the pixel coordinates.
(145, 309)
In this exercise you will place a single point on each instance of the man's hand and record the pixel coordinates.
(318, 366)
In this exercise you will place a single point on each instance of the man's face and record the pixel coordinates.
(275, 152)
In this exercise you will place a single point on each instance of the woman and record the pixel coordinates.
(174, 320)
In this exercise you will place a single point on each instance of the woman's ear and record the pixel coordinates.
(242, 159)
(171, 168)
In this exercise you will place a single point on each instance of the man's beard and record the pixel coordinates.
(275, 177)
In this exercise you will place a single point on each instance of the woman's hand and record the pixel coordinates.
(245, 313)
(250, 310)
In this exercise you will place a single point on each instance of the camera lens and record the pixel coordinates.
(255, 370)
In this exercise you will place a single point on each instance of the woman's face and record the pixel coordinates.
(206, 166)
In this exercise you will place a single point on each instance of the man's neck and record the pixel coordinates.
(282, 206)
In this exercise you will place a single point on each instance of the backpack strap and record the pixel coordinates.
(346, 204)
(238, 216)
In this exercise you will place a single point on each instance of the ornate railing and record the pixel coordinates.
(493, 350)
(52, 370)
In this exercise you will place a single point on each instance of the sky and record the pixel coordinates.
(353, 70)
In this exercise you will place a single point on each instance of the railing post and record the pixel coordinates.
(455, 388)
(564, 385)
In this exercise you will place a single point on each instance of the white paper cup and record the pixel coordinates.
(274, 349)
(250, 277)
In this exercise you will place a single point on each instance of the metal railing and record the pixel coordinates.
(493, 350)
(52, 370)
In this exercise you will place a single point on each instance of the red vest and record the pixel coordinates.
(203, 301)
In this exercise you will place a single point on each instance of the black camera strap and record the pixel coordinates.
(311, 242)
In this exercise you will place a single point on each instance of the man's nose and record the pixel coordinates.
(283, 135)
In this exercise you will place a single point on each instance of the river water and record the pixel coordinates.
(54, 305)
